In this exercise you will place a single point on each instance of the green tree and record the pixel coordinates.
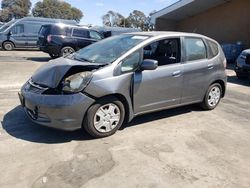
(137, 19)
(14, 9)
(56, 9)
(113, 19)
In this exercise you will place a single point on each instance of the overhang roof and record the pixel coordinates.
(186, 8)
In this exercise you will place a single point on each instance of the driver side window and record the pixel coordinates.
(131, 62)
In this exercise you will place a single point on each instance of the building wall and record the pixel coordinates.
(226, 23)
(165, 25)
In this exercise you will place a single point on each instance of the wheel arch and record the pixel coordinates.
(8, 41)
(222, 84)
(128, 111)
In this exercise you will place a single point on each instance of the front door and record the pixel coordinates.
(160, 88)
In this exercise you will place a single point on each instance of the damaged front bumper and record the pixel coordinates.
(65, 112)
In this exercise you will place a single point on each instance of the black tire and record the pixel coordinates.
(67, 50)
(240, 76)
(88, 122)
(54, 56)
(205, 104)
(8, 46)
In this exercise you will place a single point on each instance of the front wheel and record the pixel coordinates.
(104, 118)
(8, 46)
(212, 97)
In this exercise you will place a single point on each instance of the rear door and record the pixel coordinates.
(160, 88)
(196, 70)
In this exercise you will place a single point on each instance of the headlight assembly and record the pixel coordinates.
(76, 82)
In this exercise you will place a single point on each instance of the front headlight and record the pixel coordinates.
(76, 82)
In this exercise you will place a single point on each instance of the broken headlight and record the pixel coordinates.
(76, 82)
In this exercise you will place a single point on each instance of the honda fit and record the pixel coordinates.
(108, 83)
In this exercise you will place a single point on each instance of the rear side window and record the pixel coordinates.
(60, 30)
(212, 48)
(80, 33)
(195, 49)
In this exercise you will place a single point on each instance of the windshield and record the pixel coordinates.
(5, 26)
(108, 50)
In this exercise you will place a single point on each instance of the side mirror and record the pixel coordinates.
(149, 64)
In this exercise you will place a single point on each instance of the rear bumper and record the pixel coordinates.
(65, 112)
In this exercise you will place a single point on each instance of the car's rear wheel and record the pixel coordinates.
(8, 46)
(67, 50)
(212, 97)
(104, 118)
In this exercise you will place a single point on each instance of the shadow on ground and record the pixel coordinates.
(235, 80)
(39, 59)
(17, 124)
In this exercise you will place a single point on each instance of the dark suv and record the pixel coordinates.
(61, 40)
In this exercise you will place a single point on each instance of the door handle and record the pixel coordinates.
(210, 66)
(176, 73)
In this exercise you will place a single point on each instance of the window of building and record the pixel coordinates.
(195, 49)
(165, 51)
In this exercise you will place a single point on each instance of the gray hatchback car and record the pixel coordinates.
(110, 82)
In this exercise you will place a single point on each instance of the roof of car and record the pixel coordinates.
(167, 33)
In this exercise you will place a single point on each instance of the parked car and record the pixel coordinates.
(112, 31)
(108, 83)
(23, 33)
(242, 67)
(62, 40)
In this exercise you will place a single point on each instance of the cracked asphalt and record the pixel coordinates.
(182, 147)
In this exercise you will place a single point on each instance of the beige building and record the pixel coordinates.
(227, 21)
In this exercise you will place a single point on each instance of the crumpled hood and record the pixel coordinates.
(51, 74)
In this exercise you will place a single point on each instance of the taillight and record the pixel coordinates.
(49, 38)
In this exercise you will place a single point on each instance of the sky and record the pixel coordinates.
(93, 10)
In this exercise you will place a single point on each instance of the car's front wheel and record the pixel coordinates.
(8, 46)
(212, 97)
(104, 118)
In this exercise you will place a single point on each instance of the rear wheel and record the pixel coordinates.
(212, 97)
(67, 50)
(104, 118)
(8, 46)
